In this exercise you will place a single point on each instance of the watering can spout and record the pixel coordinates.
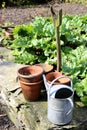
(45, 82)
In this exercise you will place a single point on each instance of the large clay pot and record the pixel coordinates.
(30, 73)
(53, 75)
(31, 91)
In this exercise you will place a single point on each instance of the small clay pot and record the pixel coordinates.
(46, 67)
(31, 91)
(8, 34)
(53, 75)
(30, 74)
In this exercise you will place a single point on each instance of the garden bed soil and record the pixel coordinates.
(24, 16)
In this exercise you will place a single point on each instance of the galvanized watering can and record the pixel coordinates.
(60, 101)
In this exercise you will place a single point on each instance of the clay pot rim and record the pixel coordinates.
(46, 69)
(29, 82)
(55, 72)
(31, 75)
(59, 81)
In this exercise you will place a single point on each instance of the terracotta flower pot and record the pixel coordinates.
(46, 67)
(30, 73)
(31, 81)
(8, 34)
(31, 91)
(53, 75)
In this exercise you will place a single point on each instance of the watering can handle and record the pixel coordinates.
(60, 78)
(45, 82)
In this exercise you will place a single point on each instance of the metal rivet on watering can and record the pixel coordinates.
(60, 101)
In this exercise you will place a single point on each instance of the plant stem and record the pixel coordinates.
(57, 19)
(58, 49)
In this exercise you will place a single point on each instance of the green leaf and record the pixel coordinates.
(84, 100)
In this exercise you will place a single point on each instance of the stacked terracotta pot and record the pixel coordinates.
(31, 81)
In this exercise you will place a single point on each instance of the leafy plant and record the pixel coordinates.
(74, 30)
(37, 39)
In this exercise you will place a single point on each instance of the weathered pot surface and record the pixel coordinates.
(30, 73)
(46, 67)
(53, 75)
(31, 91)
